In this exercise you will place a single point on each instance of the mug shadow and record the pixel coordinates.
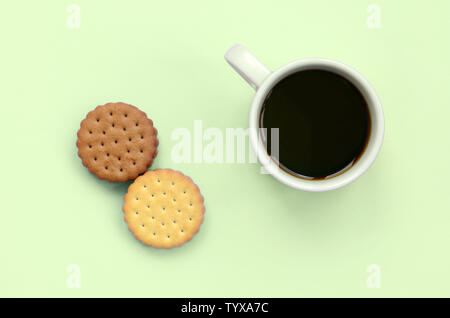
(336, 220)
(311, 207)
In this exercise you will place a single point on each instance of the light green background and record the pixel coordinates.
(260, 238)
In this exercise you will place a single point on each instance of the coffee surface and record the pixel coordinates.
(323, 122)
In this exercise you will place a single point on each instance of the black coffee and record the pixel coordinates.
(323, 122)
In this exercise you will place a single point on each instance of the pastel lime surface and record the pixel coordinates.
(259, 238)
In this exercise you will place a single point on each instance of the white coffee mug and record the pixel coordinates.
(263, 80)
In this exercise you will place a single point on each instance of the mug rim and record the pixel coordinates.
(373, 144)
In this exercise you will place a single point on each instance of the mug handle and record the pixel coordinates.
(247, 65)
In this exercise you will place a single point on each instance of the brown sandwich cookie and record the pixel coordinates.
(117, 142)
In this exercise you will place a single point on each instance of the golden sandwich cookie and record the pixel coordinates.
(163, 208)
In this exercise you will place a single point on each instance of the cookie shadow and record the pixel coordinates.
(119, 188)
